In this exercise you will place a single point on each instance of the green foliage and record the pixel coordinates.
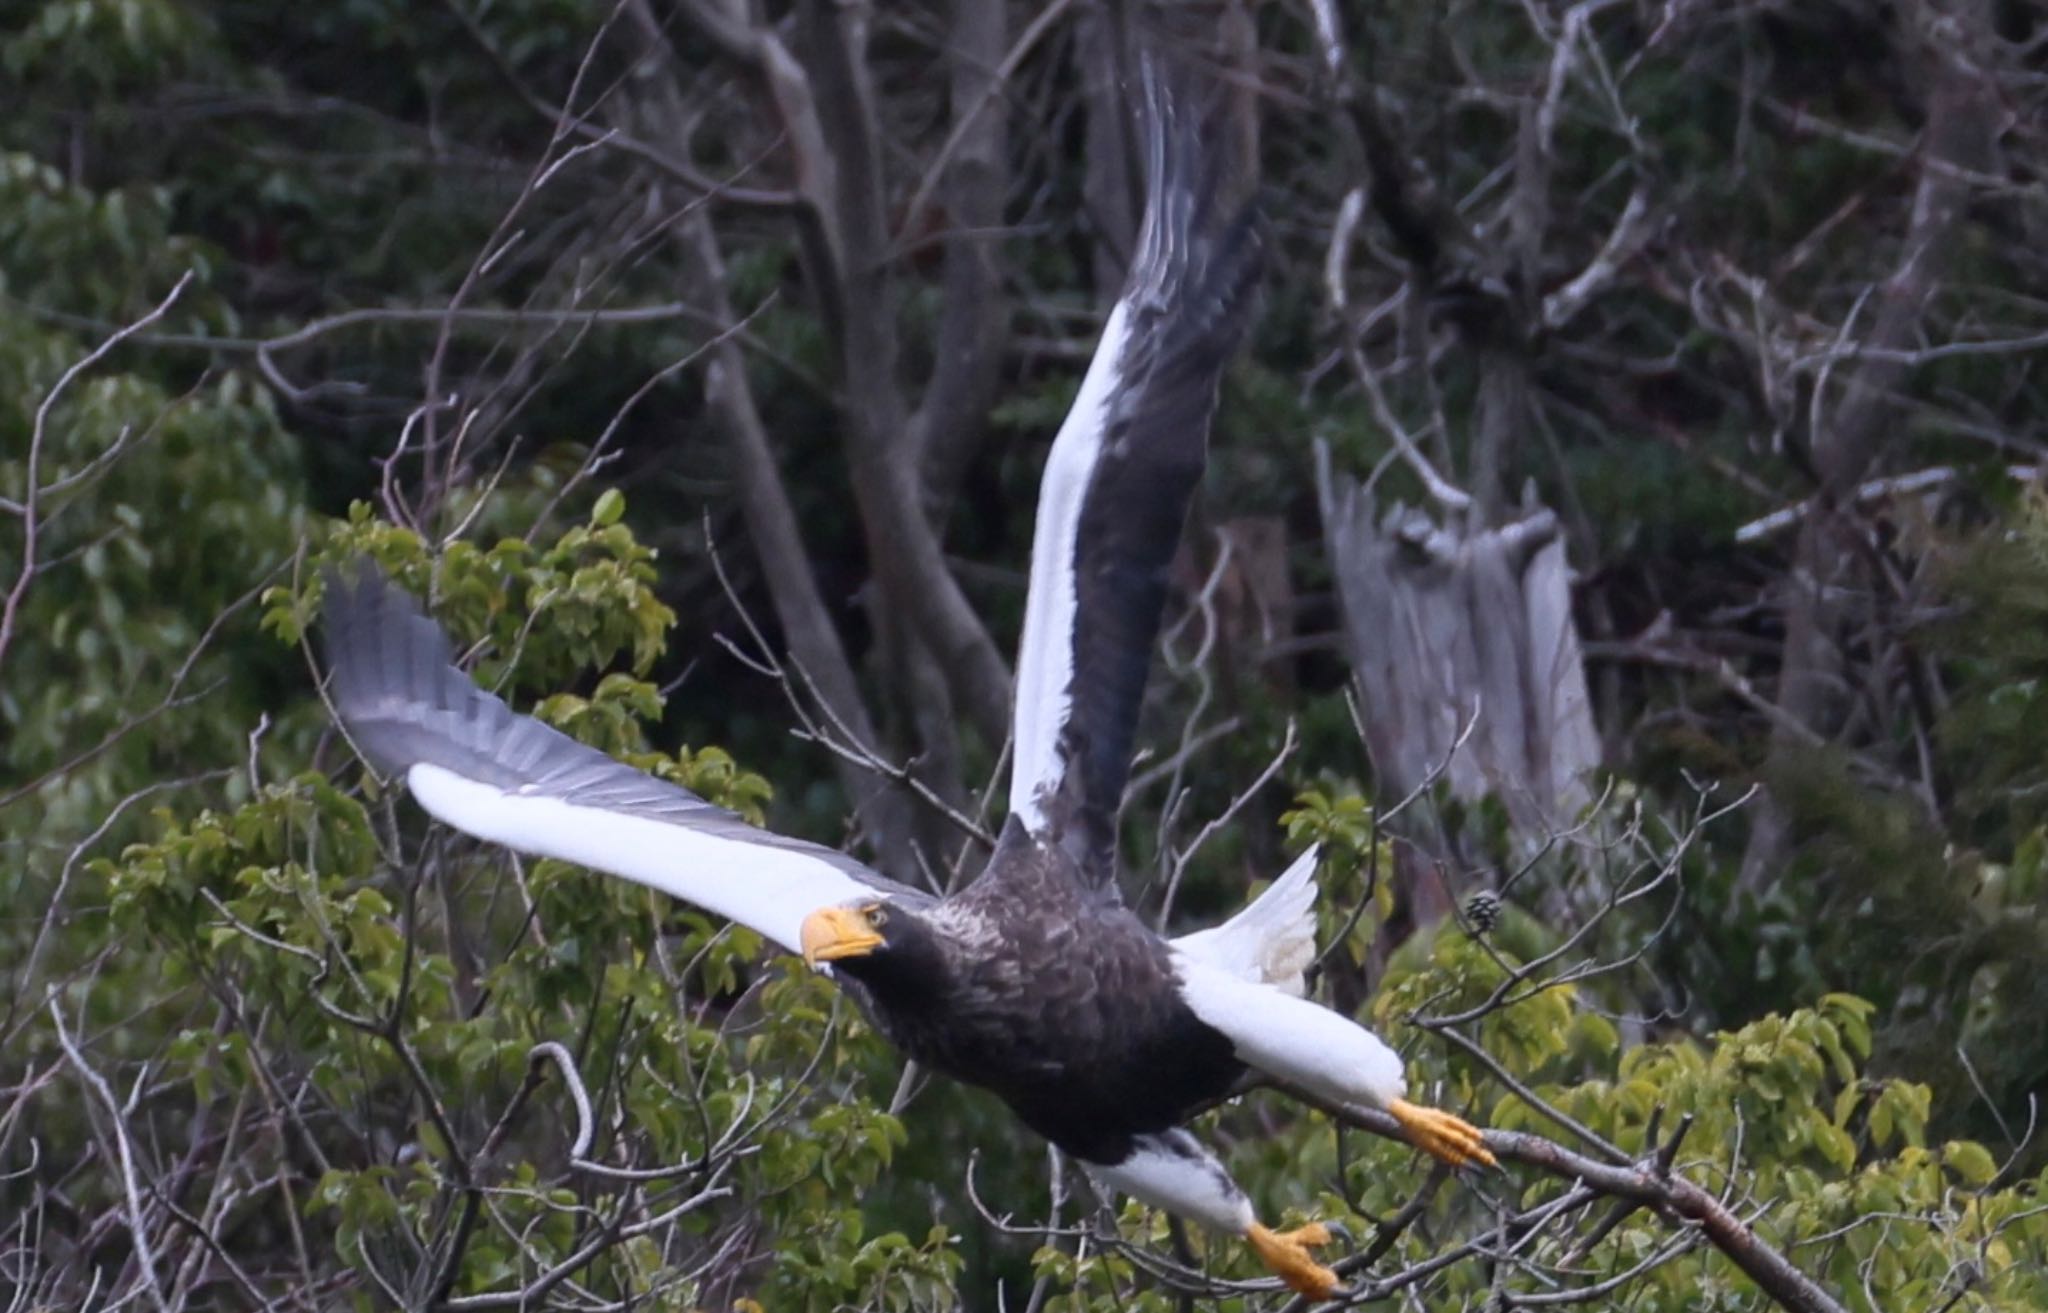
(542, 613)
(1946, 940)
(160, 500)
(1786, 1103)
(393, 975)
(106, 256)
(104, 47)
(1354, 869)
(1998, 646)
(144, 548)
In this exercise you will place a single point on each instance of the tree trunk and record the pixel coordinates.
(1457, 633)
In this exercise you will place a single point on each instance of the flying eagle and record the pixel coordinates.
(1035, 981)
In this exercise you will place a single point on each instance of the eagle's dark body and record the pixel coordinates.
(1045, 989)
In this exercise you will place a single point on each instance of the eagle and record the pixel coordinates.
(1035, 981)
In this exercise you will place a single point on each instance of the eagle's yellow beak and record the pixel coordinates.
(831, 933)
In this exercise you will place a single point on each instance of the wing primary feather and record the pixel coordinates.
(476, 764)
(1122, 472)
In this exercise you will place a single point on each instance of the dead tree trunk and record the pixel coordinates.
(1467, 664)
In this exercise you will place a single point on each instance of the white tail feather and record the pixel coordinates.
(1273, 940)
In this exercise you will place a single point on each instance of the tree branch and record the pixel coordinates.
(778, 543)
(952, 416)
(29, 510)
(1646, 1182)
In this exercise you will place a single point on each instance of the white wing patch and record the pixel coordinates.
(1290, 1037)
(764, 887)
(1273, 940)
(1045, 656)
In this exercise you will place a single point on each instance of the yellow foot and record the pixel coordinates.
(1441, 1134)
(1286, 1253)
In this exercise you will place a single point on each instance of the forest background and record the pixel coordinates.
(1624, 544)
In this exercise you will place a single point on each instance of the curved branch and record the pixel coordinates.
(1646, 1182)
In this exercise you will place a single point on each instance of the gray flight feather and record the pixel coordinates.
(396, 686)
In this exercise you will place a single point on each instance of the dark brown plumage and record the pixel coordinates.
(1042, 987)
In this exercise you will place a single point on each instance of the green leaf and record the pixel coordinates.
(1834, 1143)
(1970, 1160)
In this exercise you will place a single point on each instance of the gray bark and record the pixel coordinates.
(952, 418)
(1447, 628)
(1111, 189)
(912, 577)
(884, 812)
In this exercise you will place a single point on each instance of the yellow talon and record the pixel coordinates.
(1441, 1134)
(1286, 1254)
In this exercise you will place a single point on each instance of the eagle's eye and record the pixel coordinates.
(878, 916)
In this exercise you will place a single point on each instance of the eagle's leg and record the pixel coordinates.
(1286, 1254)
(1441, 1134)
(1174, 1171)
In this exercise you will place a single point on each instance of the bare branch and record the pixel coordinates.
(138, 1231)
(1642, 1183)
(29, 510)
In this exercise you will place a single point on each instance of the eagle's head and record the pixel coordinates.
(876, 943)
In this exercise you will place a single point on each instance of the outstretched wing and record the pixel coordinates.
(1117, 485)
(478, 766)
